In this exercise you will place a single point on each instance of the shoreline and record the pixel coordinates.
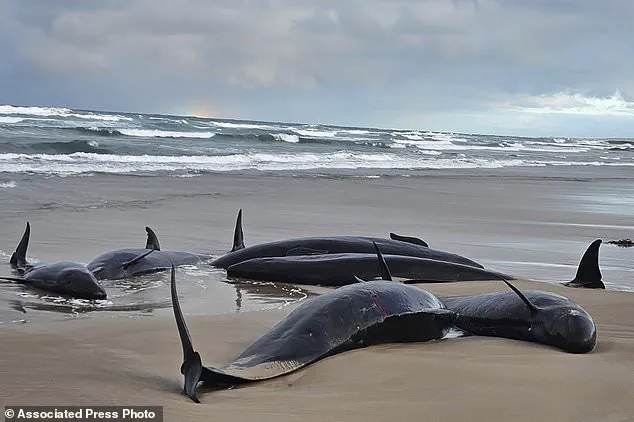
(531, 225)
(526, 224)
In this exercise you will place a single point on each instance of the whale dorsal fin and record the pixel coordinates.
(383, 268)
(305, 251)
(588, 273)
(531, 306)
(238, 235)
(133, 261)
(152, 240)
(408, 239)
(18, 258)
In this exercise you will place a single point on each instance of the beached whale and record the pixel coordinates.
(67, 278)
(124, 263)
(536, 316)
(349, 317)
(342, 269)
(396, 245)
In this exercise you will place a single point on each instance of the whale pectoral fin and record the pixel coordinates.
(305, 251)
(133, 261)
(360, 280)
(588, 273)
(238, 235)
(152, 240)
(16, 279)
(18, 258)
(408, 239)
(531, 306)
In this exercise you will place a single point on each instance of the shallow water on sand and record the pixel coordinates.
(203, 290)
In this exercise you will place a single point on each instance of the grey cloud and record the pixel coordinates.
(358, 62)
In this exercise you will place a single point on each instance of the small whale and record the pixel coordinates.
(67, 278)
(536, 316)
(396, 245)
(341, 269)
(349, 317)
(124, 263)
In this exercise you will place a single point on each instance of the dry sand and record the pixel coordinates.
(135, 361)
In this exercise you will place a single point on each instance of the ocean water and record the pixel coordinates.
(65, 142)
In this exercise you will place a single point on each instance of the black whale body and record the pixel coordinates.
(130, 262)
(349, 317)
(544, 317)
(342, 269)
(338, 245)
(113, 265)
(67, 278)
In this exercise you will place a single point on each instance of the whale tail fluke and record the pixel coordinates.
(18, 258)
(152, 240)
(238, 235)
(588, 273)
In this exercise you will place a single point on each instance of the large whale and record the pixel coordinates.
(67, 278)
(124, 263)
(349, 317)
(396, 245)
(342, 269)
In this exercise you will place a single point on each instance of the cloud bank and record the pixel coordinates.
(556, 67)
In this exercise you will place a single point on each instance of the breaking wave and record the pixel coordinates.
(55, 140)
(80, 162)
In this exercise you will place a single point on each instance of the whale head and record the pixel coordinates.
(81, 283)
(565, 326)
(568, 328)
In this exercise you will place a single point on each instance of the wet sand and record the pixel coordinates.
(523, 222)
(136, 362)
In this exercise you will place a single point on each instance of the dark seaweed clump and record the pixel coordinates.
(624, 243)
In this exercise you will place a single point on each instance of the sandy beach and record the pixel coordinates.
(136, 362)
(534, 225)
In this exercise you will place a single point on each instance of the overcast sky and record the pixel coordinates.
(526, 67)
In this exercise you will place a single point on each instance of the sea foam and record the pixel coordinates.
(152, 133)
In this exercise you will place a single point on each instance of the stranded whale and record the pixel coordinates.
(341, 269)
(536, 316)
(397, 245)
(123, 263)
(68, 278)
(349, 317)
